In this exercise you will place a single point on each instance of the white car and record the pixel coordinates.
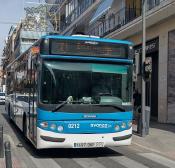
(2, 98)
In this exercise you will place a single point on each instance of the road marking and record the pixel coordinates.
(127, 162)
(88, 163)
(159, 159)
(41, 163)
(147, 148)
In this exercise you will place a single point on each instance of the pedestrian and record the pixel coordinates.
(137, 102)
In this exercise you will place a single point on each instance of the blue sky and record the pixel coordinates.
(10, 11)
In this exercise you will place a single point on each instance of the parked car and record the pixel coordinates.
(2, 98)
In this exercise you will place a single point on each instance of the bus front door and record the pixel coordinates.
(32, 104)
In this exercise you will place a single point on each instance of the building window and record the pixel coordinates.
(153, 3)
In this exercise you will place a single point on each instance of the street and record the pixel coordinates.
(87, 74)
(25, 156)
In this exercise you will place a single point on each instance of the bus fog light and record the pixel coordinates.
(123, 125)
(53, 126)
(130, 124)
(44, 124)
(117, 127)
(60, 128)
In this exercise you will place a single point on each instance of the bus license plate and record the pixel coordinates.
(89, 145)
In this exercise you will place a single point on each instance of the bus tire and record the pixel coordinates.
(24, 125)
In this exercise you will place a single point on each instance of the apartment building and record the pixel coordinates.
(121, 19)
(36, 24)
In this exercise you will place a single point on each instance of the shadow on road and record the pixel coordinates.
(165, 127)
(58, 153)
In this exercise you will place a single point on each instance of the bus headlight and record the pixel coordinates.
(123, 125)
(130, 47)
(117, 128)
(129, 124)
(60, 128)
(53, 126)
(44, 124)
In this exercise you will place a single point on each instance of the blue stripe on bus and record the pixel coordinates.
(53, 116)
(87, 58)
(85, 126)
(88, 39)
(77, 123)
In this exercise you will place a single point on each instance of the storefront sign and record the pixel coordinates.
(151, 46)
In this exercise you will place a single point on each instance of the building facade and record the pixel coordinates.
(121, 19)
(36, 24)
(18, 41)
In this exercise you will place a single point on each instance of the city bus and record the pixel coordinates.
(72, 92)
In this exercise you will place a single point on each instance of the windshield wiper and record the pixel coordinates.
(59, 106)
(69, 100)
(102, 105)
(112, 105)
(63, 103)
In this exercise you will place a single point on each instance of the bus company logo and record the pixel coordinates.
(100, 125)
(90, 116)
(91, 42)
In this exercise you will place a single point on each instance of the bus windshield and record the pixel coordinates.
(85, 83)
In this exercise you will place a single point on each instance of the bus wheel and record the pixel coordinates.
(24, 125)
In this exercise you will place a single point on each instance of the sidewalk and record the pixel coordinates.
(161, 139)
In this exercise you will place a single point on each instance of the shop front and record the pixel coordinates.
(151, 90)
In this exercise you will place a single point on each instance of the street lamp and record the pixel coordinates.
(145, 115)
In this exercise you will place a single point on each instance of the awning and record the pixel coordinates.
(104, 6)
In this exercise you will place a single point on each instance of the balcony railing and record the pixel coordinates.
(82, 7)
(153, 3)
(115, 21)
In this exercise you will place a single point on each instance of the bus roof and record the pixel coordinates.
(87, 39)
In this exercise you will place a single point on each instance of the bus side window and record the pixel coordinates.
(34, 78)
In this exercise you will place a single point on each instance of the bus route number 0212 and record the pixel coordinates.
(73, 125)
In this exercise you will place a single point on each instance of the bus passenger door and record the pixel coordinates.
(32, 101)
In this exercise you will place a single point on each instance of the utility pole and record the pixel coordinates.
(145, 115)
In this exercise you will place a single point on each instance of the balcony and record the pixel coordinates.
(115, 21)
(81, 8)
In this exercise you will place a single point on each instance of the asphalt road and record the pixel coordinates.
(24, 154)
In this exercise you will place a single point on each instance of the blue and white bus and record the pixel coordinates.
(72, 92)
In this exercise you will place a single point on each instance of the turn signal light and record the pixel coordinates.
(123, 125)
(53, 126)
(60, 128)
(117, 128)
(130, 124)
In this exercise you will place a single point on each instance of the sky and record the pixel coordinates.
(10, 11)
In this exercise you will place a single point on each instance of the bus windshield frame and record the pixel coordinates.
(85, 83)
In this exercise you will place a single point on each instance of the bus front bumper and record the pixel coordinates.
(48, 139)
